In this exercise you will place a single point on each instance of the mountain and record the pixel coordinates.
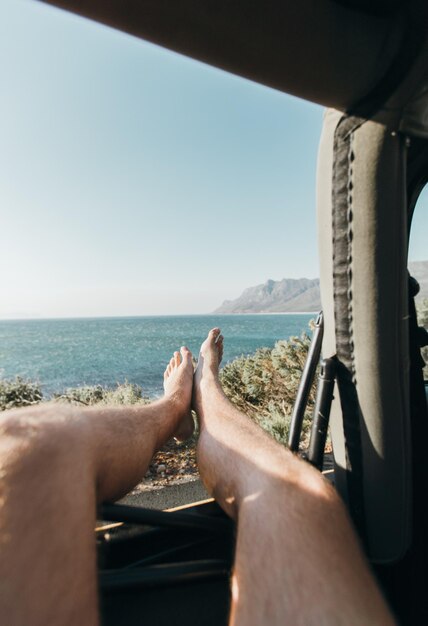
(290, 295)
(281, 296)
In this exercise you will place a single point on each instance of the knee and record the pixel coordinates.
(48, 432)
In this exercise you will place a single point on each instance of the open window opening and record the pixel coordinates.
(149, 198)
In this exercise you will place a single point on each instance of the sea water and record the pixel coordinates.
(63, 353)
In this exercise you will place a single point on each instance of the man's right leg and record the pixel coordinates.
(297, 557)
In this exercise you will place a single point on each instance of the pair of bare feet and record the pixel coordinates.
(182, 383)
(62, 459)
(232, 451)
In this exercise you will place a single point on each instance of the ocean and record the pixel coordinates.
(63, 353)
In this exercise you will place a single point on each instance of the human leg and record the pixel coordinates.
(297, 557)
(56, 463)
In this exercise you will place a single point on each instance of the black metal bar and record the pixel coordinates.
(177, 519)
(305, 385)
(164, 575)
(322, 413)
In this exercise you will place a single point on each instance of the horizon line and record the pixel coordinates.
(97, 317)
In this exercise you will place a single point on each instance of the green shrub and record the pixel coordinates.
(264, 385)
(87, 395)
(422, 311)
(126, 393)
(19, 392)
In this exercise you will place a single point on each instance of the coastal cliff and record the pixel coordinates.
(291, 295)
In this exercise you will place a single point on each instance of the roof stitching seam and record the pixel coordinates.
(349, 235)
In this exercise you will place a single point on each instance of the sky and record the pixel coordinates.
(135, 181)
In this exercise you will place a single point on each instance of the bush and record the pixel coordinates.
(87, 395)
(264, 385)
(422, 311)
(19, 392)
(126, 393)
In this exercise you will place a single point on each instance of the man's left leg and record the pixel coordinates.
(56, 464)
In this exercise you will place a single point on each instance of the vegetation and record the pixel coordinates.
(19, 392)
(127, 393)
(263, 384)
(422, 311)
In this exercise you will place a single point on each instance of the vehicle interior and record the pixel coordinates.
(367, 63)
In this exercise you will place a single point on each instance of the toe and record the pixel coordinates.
(176, 358)
(186, 354)
(219, 345)
(214, 334)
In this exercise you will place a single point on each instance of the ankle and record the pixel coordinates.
(177, 403)
(207, 392)
(209, 380)
(174, 409)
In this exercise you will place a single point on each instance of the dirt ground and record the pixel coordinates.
(176, 462)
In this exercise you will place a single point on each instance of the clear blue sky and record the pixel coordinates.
(134, 181)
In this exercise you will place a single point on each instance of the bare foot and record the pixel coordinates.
(266, 488)
(231, 450)
(178, 383)
(209, 361)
